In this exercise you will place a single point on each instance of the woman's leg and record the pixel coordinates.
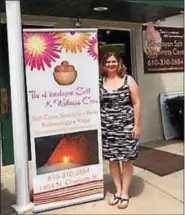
(115, 171)
(127, 173)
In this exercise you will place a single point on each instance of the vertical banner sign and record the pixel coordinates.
(163, 49)
(62, 75)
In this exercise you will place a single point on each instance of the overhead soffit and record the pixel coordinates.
(118, 10)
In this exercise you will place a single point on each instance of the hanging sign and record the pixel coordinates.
(163, 49)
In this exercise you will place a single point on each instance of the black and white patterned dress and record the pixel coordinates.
(117, 116)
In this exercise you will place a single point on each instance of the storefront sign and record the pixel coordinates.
(62, 74)
(163, 49)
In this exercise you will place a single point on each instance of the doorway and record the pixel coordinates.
(5, 98)
(118, 41)
(6, 131)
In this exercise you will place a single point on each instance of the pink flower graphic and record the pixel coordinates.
(40, 49)
(93, 48)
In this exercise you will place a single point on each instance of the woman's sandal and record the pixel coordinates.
(123, 203)
(114, 200)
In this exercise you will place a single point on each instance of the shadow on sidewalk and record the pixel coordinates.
(7, 199)
(136, 188)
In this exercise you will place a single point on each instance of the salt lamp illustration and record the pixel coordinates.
(152, 42)
(70, 152)
(65, 74)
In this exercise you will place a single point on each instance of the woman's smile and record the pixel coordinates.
(112, 67)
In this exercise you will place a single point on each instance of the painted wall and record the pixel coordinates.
(150, 84)
(153, 84)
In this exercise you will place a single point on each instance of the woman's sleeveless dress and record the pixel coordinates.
(117, 116)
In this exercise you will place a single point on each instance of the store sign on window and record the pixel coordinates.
(163, 49)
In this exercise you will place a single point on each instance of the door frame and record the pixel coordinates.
(132, 33)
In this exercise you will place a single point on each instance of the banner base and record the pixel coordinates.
(23, 209)
(60, 205)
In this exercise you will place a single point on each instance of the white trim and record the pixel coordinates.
(33, 23)
(23, 209)
(133, 53)
(115, 28)
(38, 23)
(61, 29)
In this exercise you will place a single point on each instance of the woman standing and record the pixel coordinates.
(121, 122)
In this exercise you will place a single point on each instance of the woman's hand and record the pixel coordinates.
(136, 132)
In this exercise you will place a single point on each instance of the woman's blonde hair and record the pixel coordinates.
(121, 66)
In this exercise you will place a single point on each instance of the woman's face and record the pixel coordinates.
(111, 64)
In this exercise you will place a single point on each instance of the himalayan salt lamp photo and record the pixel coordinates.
(67, 151)
(152, 42)
(65, 74)
(70, 151)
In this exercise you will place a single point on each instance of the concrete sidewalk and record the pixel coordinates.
(150, 193)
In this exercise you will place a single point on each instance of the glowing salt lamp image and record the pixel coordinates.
(65, 74)
(66, 159)
(152, 41)
(66, 151)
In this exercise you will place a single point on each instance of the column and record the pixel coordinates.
(18, 103)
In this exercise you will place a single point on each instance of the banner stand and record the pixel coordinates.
(62, 77)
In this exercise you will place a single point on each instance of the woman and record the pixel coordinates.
(121, 122)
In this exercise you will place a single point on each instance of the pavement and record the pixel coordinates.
(150, 193)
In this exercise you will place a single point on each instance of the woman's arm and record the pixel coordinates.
(135, 96)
